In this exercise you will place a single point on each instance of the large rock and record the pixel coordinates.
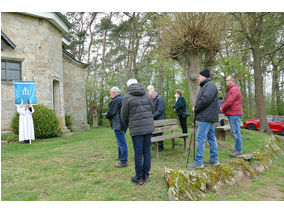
(196, 184)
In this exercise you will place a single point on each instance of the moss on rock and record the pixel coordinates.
(195, 184)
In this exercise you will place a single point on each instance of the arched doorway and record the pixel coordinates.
(56, 96)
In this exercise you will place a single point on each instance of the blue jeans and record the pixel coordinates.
(122, 146)
(206, 131)
(142, 154)
(235, 123)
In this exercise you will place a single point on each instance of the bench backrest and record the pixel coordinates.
(165, 125)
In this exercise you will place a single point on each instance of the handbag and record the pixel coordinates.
(185, 113)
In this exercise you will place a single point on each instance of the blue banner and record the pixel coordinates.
(24, 92)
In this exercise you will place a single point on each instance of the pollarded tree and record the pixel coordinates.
(190, 38)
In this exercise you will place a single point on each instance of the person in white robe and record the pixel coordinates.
(26, 125)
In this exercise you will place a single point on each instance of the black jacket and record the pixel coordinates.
(206, 107)
(113, 113)
(180, 105)
(159, 108)
(137, 111)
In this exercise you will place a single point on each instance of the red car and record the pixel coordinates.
(275, 123)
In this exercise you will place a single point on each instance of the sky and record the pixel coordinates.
(142, 6)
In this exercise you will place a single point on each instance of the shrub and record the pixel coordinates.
(68, 121)
(46, 124)
(12, 138)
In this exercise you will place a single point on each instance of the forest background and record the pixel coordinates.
(168, 50)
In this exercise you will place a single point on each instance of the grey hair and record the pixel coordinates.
(232, 77)
(115, 89)
(131, 81)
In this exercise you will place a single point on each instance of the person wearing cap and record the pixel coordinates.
(232, 107)
(159, 110)
(206, 112)
(137, 113)
(113, 114)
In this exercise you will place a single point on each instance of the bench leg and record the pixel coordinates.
(157, 150)
(173, 143)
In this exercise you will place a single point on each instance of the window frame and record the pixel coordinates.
(7, 70)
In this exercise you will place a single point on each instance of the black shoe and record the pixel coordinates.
(146, 179)
(137, 180)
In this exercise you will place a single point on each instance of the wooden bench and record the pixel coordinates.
(222, 132)
(166, 126)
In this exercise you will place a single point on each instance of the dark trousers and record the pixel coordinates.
(142, 154)
(183, 124)
(122, 145)
(222, 122)
(27, 141)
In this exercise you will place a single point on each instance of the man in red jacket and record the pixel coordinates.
(232, 107)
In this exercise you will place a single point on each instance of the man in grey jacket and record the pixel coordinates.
(113, 114)
(159, 110)
(206, 112)
(137, 114)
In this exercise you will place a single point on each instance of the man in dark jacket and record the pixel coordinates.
(118, 126)
(206, 112)
(137, 114)
(159, 110)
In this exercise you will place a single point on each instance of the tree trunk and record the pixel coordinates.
(259, 97)
(103, 77)
(160, 78)
(249, 87)
(191, 68)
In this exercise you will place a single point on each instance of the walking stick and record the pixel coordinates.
(192, 134)
(194, 124)
(189, 150)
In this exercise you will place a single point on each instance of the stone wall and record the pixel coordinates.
(39, 48)
(75, 93)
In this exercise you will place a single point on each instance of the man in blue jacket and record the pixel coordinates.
(159, 110)
(206, 112)
(113, 114)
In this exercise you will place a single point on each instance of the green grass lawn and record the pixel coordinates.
(81, 167)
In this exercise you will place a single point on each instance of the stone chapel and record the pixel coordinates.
(33, 49)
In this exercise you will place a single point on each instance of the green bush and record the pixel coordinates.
(12, 138)
(46, 124)
(68, 121)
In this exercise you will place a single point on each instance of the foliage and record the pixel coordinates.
(68, 121)
(192, 32)
(46, 124)
(9, 137)
(138, 44)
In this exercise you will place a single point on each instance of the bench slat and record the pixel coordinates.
(165, 129)
(166, 137)
(225, 128)
(165, 122)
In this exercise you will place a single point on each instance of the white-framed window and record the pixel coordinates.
(10, 70)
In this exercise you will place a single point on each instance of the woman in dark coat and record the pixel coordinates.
(179, 107)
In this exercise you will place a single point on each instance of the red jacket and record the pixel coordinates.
(233, 101)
